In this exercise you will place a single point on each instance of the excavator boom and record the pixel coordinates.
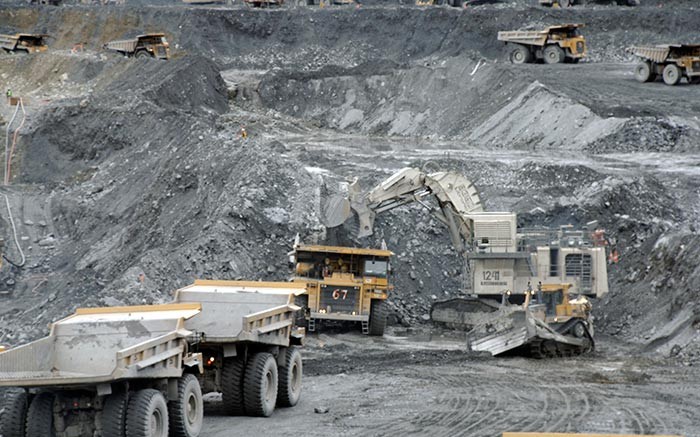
(455, 194)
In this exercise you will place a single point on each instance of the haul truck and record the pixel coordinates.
(23, 43)
(553, 45)
(141, 371)
(150, 45)
(343, 284)
(671, 62)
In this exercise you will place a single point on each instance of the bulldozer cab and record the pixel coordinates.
(552, 303)
(552, 300)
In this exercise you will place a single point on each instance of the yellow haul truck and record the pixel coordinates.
(343, 284)
(23, 43)
(553, 45)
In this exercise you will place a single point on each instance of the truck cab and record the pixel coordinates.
(344, 284)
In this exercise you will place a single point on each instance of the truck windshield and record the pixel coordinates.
(375, 268)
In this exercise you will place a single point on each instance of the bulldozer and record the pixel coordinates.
(550, 323)
(501, 263)
(343, 284)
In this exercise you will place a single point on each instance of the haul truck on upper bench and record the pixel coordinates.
(141, 371)
(23, 43)
(343, 284)
(552, 45)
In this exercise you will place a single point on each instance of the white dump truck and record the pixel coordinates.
(141, 371)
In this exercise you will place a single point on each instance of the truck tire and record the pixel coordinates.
(142, 54)
(377, 317)
(13, 413)
(553, 54)
(520, 54)
(643, 72)
(147, 415)
(114, 415)
(232, 386)
(289, 387)
(672, 74)
(187, 411)
(40, 416)
(260, 385)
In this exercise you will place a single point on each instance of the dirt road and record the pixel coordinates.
(403, 385)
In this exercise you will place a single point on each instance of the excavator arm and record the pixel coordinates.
(456, 196)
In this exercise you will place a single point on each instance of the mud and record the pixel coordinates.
(131, 179)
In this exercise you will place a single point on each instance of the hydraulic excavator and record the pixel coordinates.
(501, 263)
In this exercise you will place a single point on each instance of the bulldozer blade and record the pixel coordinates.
(462, 313)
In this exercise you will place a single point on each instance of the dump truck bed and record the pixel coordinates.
(661, 53)
(129, 45)
(125, 45)
(97, 345)
(529, 37)
(233, 311)
(533, 37)
(8, 42)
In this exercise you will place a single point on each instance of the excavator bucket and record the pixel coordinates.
(336, 211)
